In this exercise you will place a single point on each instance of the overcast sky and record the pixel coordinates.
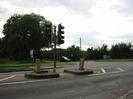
(97, 22)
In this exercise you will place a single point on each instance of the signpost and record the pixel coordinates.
(32, 53)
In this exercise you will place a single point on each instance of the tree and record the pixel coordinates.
(23, 33)
(104, 49)
(0, 47)
(121, 50)
(97, 53)
(73, 52)
(89, 53)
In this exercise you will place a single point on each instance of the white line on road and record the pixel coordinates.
(7, 78)
(120, 69)
(103, 70)
(105, 73)
(115, 72)
(96, 74)
(125, 96)
(22, 82)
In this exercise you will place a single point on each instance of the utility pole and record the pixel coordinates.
(54, 69)
(80, 44)
(81, 64)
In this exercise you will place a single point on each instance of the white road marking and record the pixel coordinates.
(115, 72)
(96, 74)
(121, 69)
(105, 73)
(126, 95)
(7, 78)
(103, 70)
(22, 82)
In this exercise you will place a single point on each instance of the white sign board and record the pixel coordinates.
(32, 53)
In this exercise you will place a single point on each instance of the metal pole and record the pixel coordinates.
(80, 43)
(81, 64)
(54, 69)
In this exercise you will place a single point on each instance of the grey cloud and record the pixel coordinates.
(125, 8)
(124, 37)
(74, 6)
(88, 39)
(3, 10)
(128, 8)
(26, 3)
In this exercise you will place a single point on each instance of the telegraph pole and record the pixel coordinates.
(80, 44)
(81, 64)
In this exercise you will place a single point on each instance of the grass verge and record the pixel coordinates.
(22, 66)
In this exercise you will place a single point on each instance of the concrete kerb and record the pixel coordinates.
(78, 72)
(34, 75)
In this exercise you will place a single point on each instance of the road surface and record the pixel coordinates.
(114, 80)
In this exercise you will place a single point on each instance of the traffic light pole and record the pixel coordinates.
(59, 41)
(54, 69)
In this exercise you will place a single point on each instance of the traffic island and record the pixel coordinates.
(41, 75)
(79, 72)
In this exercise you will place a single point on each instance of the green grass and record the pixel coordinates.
(13, 65)
(60, 63)
(9, 65)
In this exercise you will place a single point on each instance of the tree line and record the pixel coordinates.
(117, 51)
(73, 52)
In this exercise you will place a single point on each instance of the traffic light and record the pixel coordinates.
(60, 37)
(48, 27)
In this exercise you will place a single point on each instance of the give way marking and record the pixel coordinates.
(6, 78)
(119, 70)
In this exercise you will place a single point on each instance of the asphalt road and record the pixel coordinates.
(114, 80)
